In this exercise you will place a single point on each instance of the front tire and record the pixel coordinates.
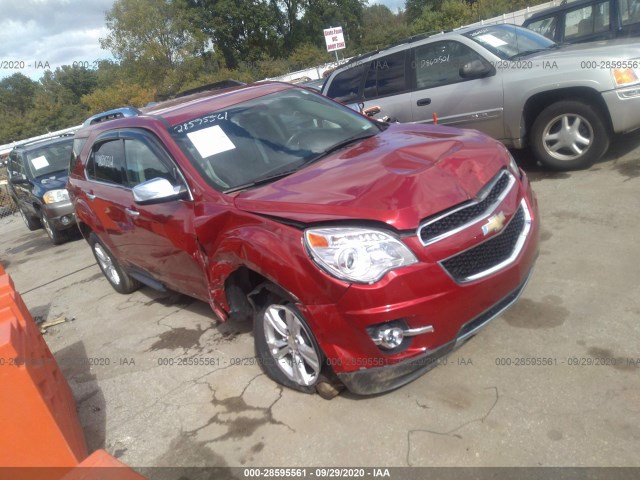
(569, 135)
(56, 236)
(285, 346)
(118, 278)
(31, 222)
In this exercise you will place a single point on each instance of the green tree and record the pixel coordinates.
(17, 93)
(153, 41)
(321, 14)
(452, 14)
(381, 27)
(238, 30)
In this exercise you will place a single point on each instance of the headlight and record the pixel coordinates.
(625, 76)
(55, 196)
(357, 254)
(513, 166)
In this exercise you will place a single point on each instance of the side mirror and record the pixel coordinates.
(475, 69)
(19, 179)
(158, 190)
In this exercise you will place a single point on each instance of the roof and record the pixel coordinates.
(560, 8)
(44, 142)
(194, 105)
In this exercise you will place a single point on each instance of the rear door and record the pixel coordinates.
(386, 85)
(382, 82)
(457, 101)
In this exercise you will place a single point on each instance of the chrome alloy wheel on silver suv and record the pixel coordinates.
(569, 134)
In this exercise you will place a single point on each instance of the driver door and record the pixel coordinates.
(162, 239)
(457, 101)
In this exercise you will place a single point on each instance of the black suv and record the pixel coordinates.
(587, 21)
(37, 174)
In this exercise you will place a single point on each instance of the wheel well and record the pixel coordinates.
(538, 102)
(85, 230)
(239, 287)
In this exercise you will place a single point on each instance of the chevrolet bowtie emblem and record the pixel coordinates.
(494, 224)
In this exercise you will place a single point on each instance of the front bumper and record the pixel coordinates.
(424, 297)
(61, 215)
(624, 108)
(376, 380)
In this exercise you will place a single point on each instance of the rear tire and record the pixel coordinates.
(285, 346)
(117, 277)
(569, 135)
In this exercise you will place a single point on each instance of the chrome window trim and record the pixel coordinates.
(519, 245)
(492, 208)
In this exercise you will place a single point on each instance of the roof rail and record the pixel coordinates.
(411, 39)
(415, 38)
(112, 115)
(229, 83)
(222, 84)
(35, 142)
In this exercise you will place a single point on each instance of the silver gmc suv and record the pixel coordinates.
(564, 101)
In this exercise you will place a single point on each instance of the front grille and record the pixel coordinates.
(448, 223)
(489, 255)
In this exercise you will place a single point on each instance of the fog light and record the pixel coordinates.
(65, 220)
(391, 337)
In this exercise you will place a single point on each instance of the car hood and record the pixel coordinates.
(605, 49)
(400, 176)
(53, 181)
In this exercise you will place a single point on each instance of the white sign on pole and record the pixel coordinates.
(334, 39)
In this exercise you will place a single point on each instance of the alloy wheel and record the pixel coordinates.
(567, 137)
(290, 345)
(106, 264)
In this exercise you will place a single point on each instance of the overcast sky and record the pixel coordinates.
(39, 34)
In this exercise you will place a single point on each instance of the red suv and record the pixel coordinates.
(362, 251)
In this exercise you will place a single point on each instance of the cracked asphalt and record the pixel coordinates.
(158, 382)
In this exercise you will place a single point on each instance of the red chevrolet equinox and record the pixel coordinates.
(362, 251)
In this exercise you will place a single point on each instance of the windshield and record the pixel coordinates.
(508, 41)
(50, 158)
(267, 137)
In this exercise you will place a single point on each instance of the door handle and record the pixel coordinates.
(133, 213)
(424, 101)
(90, 196)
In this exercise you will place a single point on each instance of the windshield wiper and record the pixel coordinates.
(533, 50)
(340, 145)
(262, 180)
(270, 178)
(526, 52)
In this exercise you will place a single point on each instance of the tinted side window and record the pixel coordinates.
(106, 163)
(345, 86)
(143, 164)
(439, 63)
(545, 26)
(15, 164)
(629, 11)
(78, 144)
(389, 73)
(586, 21)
